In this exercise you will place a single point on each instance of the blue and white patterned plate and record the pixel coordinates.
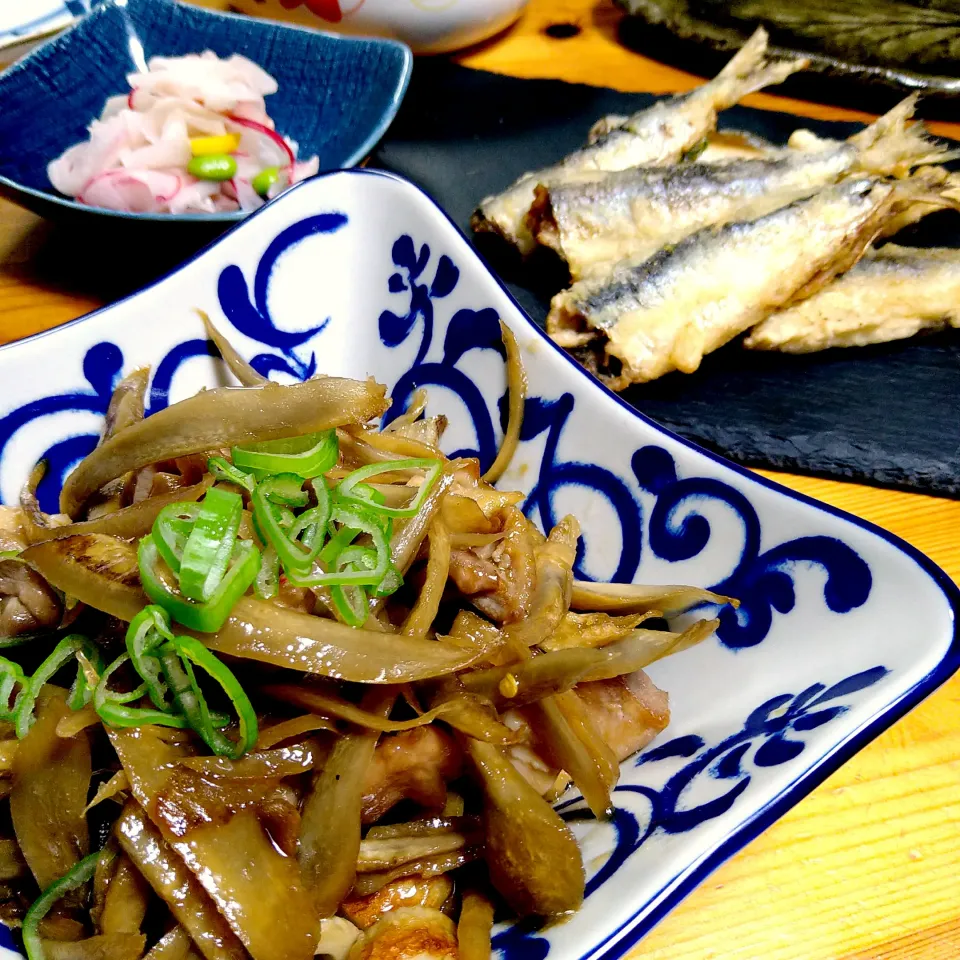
(842, 627)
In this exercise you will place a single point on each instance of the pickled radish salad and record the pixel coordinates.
(192, 136)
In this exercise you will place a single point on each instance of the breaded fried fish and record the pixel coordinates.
(659, 134)
(632, 213)
(648, 317)
(891, 294)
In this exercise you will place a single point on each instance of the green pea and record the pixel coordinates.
(265, 179)
(215, 166)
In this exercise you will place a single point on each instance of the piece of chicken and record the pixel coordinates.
(627, 711)
(413, 765)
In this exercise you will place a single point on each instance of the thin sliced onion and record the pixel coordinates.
(294, 727)
(640, 598)
(385, 853)
(224, 417)
(424, 612)
(369, 883)
(517, 392)
(239, 367)
(462, 711)
(128, 523)
(176, 886)
(281, 145)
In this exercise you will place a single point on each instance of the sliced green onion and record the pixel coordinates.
(209, 547)
(112, 707)
(310, 528)
(346, 488)
(76, 877)
(148, 631)
(11, 676)
(171, 530)
(281, 529)
(80, 692)
(368, 493)
(178, 658)
(267, 584)
(223, 469)
(365, 558)
(307, 456)
(363, 492)
(391, 582)
(102, 694)
(351, 601)
(335, 545)
(115, 714)
(206, 617)
(285, 489)
(358, 518)
(350, 604)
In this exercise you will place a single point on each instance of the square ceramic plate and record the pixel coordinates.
(842, 628)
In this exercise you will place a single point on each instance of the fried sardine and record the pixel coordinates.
(660, 134)
(648, 317)
(891, 294)
(632, 213)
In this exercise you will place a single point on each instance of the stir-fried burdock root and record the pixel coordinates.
(358, 754)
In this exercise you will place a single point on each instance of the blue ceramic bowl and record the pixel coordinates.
(337, 95)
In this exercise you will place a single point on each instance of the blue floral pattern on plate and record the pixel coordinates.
(822, 597)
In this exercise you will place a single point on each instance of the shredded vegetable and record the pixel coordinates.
(178, 659)
(192, 136)
(290, 653)
(308, 456)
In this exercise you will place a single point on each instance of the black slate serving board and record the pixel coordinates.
(887, 415)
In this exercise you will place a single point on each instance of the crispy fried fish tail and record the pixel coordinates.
(748, 71)
(893, 146)
(890, 146)
(927, 190)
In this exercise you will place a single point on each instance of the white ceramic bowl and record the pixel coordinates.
(426, 26)
(842, 627)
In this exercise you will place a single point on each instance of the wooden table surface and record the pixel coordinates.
(866, 867)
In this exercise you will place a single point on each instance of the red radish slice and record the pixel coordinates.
(267, 132)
